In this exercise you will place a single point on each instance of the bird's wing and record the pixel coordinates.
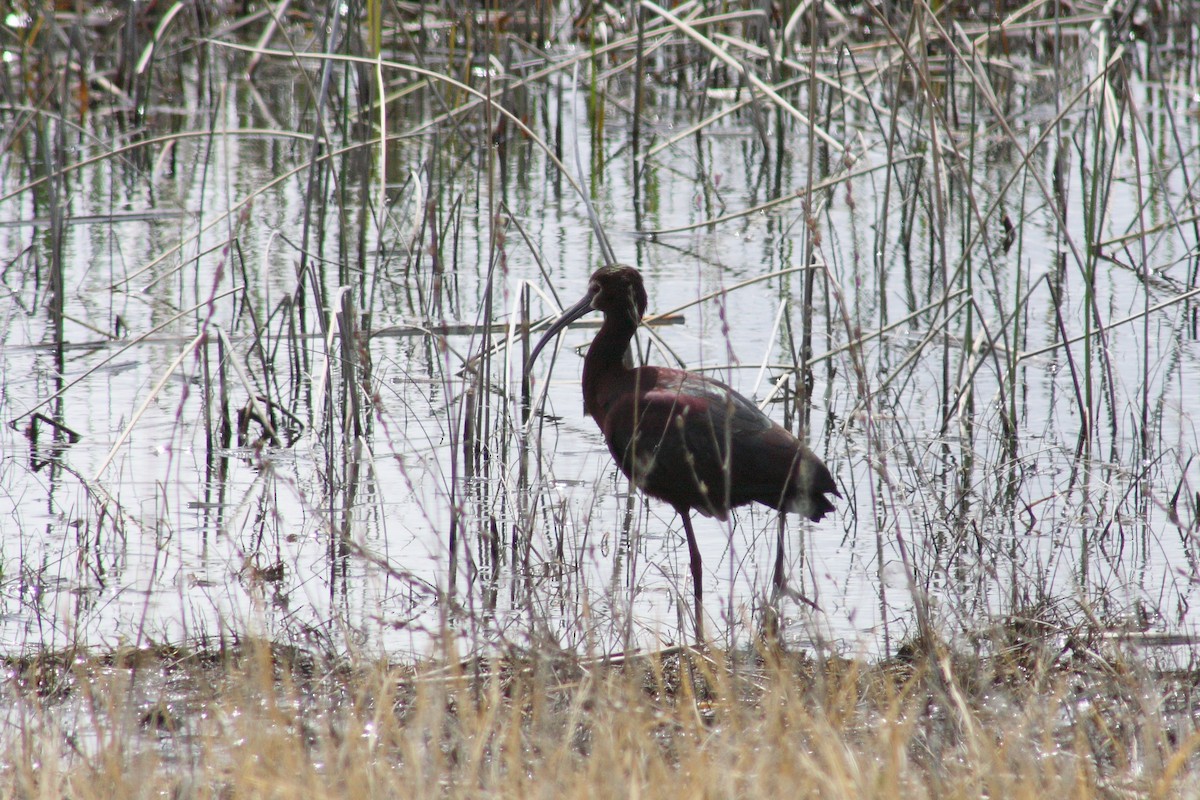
(764, 462)
(677, 448)
(697, 444)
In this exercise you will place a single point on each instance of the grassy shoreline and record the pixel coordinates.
(258, 720)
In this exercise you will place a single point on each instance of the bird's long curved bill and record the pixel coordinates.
(570, 315)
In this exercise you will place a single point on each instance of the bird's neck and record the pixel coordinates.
(607, 355)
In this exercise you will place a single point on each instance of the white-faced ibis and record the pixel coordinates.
(681, 437)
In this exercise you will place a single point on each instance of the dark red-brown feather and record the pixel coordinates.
(681, 437)
(697, 444)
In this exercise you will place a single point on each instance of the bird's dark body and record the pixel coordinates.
(681, 437)
(697, 444)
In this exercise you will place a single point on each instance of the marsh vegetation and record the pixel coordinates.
(283, 514)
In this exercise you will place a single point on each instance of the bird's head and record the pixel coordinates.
(615, 291)
(618, 291)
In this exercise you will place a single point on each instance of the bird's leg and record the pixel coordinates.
(778, 581)
(770, 621)
(697, 573)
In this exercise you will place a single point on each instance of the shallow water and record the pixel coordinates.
(147, 529)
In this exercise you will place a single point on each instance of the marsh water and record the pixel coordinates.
(263, 374)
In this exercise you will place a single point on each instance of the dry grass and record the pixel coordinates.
(260, 721)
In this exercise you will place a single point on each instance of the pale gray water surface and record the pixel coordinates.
(145, 531)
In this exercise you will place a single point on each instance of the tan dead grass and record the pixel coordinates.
(270, 723)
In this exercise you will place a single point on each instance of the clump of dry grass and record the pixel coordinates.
(263, 721)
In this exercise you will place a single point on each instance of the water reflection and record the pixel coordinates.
(272, 381)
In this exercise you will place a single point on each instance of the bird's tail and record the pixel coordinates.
(811, 484)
